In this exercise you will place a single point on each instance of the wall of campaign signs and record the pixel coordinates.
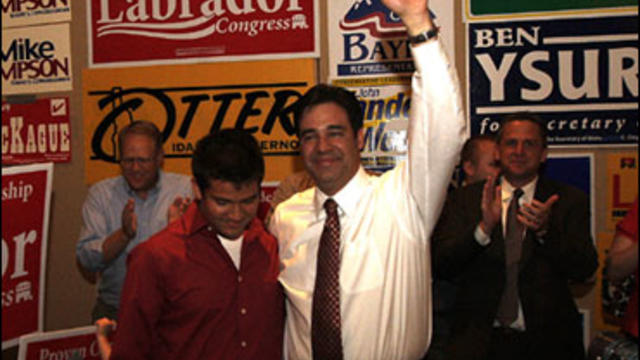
(74, 72)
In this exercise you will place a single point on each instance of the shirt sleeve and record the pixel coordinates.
(437, 129)
(95, 229)
(140, 307)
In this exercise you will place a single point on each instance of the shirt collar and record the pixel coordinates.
(347, 198)
(153, 191)
(528, 190)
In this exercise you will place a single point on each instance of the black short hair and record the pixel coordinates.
(323, 93)
(230, 155)
(141, 127)
(524, 116)
(470, 147)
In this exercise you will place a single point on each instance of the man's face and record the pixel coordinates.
(521, 152)
(330, 149)
(140, 162)
(228, 206)
(484, 162)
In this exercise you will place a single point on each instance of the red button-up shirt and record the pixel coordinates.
(183, 297)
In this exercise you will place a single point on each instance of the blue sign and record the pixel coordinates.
(580, 75)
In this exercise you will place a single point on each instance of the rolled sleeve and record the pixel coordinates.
(92, 235)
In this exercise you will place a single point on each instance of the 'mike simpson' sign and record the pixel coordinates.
(36, 59)
(580, 75)
(146, 32)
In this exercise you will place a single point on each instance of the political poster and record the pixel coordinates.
(483, 10)
(187, 102)
(576, 170)
(622, 186)
(34, 12)
(368, 39)
(126, 33)
(34, 132)
(579, 74)
(74, 344)
(26, 196)
(369, 54)
(36, 59)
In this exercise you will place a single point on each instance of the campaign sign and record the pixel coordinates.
(622, 186)
(580, 75)
(74, 344)
(125, 32)
(26, 194)
(36, 132)
(266, 195)
(368, 39)
(484, 9)
(36, 59)
(187, 102)
(576, 170)
(385, 103)
(31, 12)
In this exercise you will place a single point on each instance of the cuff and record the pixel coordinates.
(482, 238)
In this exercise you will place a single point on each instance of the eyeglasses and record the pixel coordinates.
(128, 162)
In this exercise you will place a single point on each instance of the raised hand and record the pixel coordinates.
(129, 219)
(177, 208)
(535, 215)
(491, 205)
(414, 14)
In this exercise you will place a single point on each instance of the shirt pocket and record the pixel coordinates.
(361, 267)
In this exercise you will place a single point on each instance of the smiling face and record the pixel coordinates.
(228, 206)
(521, 150)
(140, 162)
(330, 149)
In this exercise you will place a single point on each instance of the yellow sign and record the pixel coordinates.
(622, 185)
(187, 102)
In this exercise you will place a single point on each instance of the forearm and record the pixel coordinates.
(622, 261)
(436, 129)
(113, 245)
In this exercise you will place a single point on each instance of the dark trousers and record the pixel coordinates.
(508, 344)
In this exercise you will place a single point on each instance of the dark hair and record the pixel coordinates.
(524, 116)
(323, 93)
(230, 155)
(470, 147)
(141, 127)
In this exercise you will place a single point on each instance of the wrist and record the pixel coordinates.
(417, 24)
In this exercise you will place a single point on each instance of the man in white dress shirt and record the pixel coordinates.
(385, 222)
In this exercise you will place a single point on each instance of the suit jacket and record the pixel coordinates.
(565, 253)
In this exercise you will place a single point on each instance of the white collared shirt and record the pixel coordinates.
(386, 221)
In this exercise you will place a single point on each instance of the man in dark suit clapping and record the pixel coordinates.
(512, 260)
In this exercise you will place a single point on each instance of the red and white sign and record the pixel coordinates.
(266, 194)
(36, 132)
(77, 343)
(26, 194)
(142, 32)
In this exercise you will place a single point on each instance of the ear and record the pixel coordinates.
(543, 157)
(160, 158)
(197, 195)
(468, 168)
(360, 139)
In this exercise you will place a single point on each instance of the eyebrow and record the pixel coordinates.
(218, 198)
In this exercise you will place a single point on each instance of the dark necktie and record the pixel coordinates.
(508, 309)
(326, 338)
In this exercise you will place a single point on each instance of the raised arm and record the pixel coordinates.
(437, 123)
